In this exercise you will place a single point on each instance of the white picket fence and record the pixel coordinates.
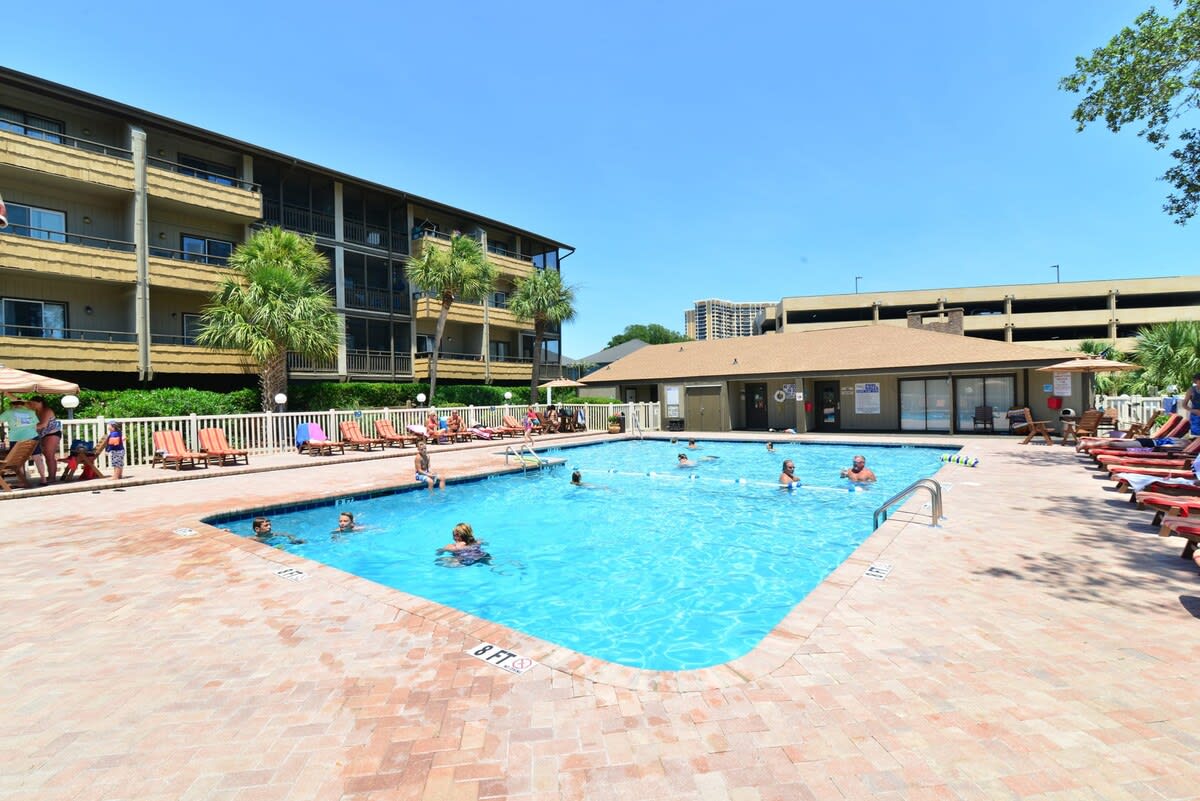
(269, 432)
(1133, 408)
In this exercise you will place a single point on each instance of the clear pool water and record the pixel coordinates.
(650, 566)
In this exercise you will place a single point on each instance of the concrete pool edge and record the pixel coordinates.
(784, 641)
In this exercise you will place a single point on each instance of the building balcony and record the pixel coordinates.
(359, 364)
(511, 265)
(49, 349)
(60, 160)
(374, 236)
(428, 308)
(180, 270)
(35, 251)
(299, 219)
(193, 189)
(471, 367)
(378, 299)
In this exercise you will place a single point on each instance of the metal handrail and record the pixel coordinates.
(66, 140)
(66, 238)
(203, 175)
(517, 454)
(935, 493)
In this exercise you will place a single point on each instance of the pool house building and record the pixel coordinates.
(878, 378)
(121, 223)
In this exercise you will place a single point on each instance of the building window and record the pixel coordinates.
(221, 174)
(925, 404)
(33, 318)
(500, 300)
(37, 223)
(424, 343)
(500, 351)
(31, 125)
(203, 249)
(191, 328)
(971, 392)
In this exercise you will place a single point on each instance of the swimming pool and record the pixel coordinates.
(650, 566)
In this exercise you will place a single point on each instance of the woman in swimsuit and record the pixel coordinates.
(465, 549)
(50, 431)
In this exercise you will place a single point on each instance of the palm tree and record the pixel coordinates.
(543, 299)
(1169, 354)
(274, 303)
(462, 272)
(1110, 383)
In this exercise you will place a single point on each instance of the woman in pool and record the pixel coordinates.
(465, 549)
(346, 522)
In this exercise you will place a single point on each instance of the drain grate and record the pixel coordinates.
(185, 532)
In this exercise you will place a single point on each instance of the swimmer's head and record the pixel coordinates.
(346, 521)
(464, 534)
(683, 457)
(576, 477)
(261, 525)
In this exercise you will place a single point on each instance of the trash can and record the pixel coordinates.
(1170, 405)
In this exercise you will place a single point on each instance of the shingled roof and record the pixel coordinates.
(827, 351)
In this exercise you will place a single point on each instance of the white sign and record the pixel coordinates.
(501, 658)
(789, 391)
(291, 574)
(866, 399)
(878, 571)
(1062, 384)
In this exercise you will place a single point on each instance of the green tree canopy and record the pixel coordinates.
(651, 334)
(460, 272)
(273, 303)
(1150, 73)
(543, 299)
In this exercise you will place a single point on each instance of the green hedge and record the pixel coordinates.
(168, 402)
(363, 395)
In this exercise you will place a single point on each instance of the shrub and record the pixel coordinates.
(337, 395)
(166, 402)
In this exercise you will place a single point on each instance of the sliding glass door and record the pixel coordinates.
(971, 392)
(925, 404)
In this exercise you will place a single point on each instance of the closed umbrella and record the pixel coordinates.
(558, 382)
(14, 380)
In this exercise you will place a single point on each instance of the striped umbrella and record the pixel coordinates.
(14, 380)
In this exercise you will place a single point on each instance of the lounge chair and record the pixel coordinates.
(1159, 472)
(14, 463)
(458, 433)
(352, 435)
(511, 427)
(1174, 426)
(482, 432)
(1034, 428)
(1165, 504)
(213, 443)
(387, 432)
(1085, 426)
(1187, 528)
(311, 437)
(172, 452)
(1153, 457)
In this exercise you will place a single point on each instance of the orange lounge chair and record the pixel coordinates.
(1170, 457)
(213, 443)
(14, 463)
(1174, 426)
(352, 435)
(172, 452)
(511, 427)
(387, 432)
(1164, 504)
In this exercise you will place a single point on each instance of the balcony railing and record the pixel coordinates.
(298, 218)
(374, 236)
(203, 175)
(378, 362)
(183, 255)
(66, 141)
(374, 299)
(48, 235)
(499, 251)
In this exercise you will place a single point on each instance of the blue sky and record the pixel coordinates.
(687, 150)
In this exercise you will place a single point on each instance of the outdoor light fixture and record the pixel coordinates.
(280, 401)
(420, 397)
(70, 403)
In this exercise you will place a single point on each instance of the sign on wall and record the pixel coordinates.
(866, 398)
(673, 403)
(1062, 384)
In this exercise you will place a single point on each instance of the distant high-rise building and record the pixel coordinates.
(722, 319)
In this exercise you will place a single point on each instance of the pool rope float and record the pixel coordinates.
(954, 458)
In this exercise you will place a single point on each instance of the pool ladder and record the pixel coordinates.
(935, 498)
(532, 460)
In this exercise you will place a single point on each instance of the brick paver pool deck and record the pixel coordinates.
(1041, 643)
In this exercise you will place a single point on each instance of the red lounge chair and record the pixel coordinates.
(172, 452)
(1164, 504)
(1167, 457)
(213, 443)
(1160, 472)
(387, 432)
(352, 435)
(1175, 425)
(1182, 527)
(511, 427)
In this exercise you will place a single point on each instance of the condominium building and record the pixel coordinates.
(1051, 314)
(721, 319)
(121, 223)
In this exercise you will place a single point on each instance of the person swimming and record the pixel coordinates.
(859, 472)
(787, 477)
(346, 524)
(770, 447)
(577, 478)
(464, 550)
(263, 533)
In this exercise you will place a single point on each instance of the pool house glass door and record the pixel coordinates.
(925, 404)
(970, 392)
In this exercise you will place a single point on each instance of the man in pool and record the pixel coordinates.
(263, 533)
(685, 462)
(770, 447)
(788, 478)
(859, 471)
(422, 471)
(577, 478)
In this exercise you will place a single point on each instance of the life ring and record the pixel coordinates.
(780, 397)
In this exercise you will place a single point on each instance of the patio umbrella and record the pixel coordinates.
(1090, 365)
(558, 382)
(14, 380)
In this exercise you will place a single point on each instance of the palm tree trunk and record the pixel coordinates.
(437, 344)
(273, 379)
(538, 330)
